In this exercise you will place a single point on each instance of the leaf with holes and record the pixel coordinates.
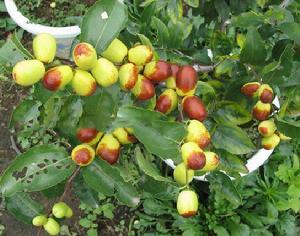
(23, 207)
(106, 179)
(103, 22)
(37, 169)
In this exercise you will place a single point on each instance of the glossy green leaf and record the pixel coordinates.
(232, 113)
(39, 168)
(192, 3)
(292, 30)
(11, 53)
(221, 183)
(26, 111)
(101, 108)
(248, 19)
(161, 30)
(160, 137)
(148, 168)
(103, 22)
(23, 207)
(231, 163)
(69, 116)
(254, 51)
(289, 128)
(233, 139)
(106, 179)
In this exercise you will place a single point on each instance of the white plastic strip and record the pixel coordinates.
(23, 22)
(257, 160)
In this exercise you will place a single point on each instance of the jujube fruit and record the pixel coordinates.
(115, 52)
(270, 142)
(167, 101)
(197, 133)
(69, 213)
(123, 136)
(143, 88)
(187, 203)
(83, 155)
(128, 75)
(89, 136)
(212, 161)
(265, 93)
(179, 174)
(57, 77)
(171, 81)
(267, 128)
(28, 72)
(85, 56)
(261, 111)
(105, 72)
(186, 81)
(39, 220)
(83, 83)
(59, 210)
(194, 108)
(193, 156)
(108, 149)
(250, 89)
(44, 47)
(140, 55)
(52, 227)
(157, 71)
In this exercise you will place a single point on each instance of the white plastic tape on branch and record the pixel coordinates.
(23, 22)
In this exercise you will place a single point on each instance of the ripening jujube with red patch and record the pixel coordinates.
(157, 71)
(90, 136)
(197, 133)
(194, 108)
(123, 136)
(261, 111)
(193, 156)
(85, 56)
(167, 101)
(83, 154)
(265, 93)
(250, 89)
(57, 77)
(108, 149)
(187, 203)
(128, 75)
(143, 88)
(186, 81)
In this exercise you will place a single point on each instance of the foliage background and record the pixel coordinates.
(263, 203)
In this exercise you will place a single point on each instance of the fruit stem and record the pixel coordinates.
(69, 183)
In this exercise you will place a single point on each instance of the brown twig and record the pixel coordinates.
(68, 184)
(14, 145)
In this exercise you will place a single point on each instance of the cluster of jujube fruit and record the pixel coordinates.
(262, 111)
(51, 226)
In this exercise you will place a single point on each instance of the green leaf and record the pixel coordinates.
(100, 109)
(275, 72)
(192, 3)
(147, 167)
(254, 51)
(161, 30)
(69, 115)
(248, 19)
(11, 53)
(103, 22)
(238, 229)
(289, 128)
(106, 179)
(159, 136)
(233, 139)
(232, 113)
(37, 169)
(231, 163)
(26, 111)
(23, 207)
(84, 192)
(221, 183)
(292, 30)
